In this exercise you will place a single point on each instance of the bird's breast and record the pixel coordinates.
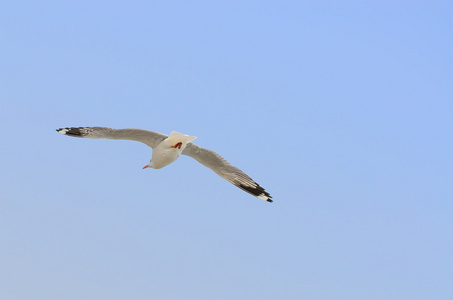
(163, 156)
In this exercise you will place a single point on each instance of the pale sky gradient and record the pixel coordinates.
(342, 110)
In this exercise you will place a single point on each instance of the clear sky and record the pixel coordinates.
(342, 110)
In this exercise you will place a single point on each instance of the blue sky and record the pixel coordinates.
(342, 110)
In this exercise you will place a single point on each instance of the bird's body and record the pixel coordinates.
(167, 149)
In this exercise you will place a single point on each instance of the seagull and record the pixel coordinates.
(167, 149)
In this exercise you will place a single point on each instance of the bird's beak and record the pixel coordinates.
(145, 167)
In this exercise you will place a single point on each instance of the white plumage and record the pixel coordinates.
(166, 152)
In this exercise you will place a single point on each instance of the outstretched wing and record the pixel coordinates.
(224, 169)
(150, 138)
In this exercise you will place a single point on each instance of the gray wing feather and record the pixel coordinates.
(148, 137)
(224, 169)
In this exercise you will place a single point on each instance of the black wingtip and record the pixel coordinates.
(270, 200)
(71, 131)
(257, 191)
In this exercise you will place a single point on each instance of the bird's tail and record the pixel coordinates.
(176, 137)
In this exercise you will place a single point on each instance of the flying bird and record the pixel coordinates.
(167, 149)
